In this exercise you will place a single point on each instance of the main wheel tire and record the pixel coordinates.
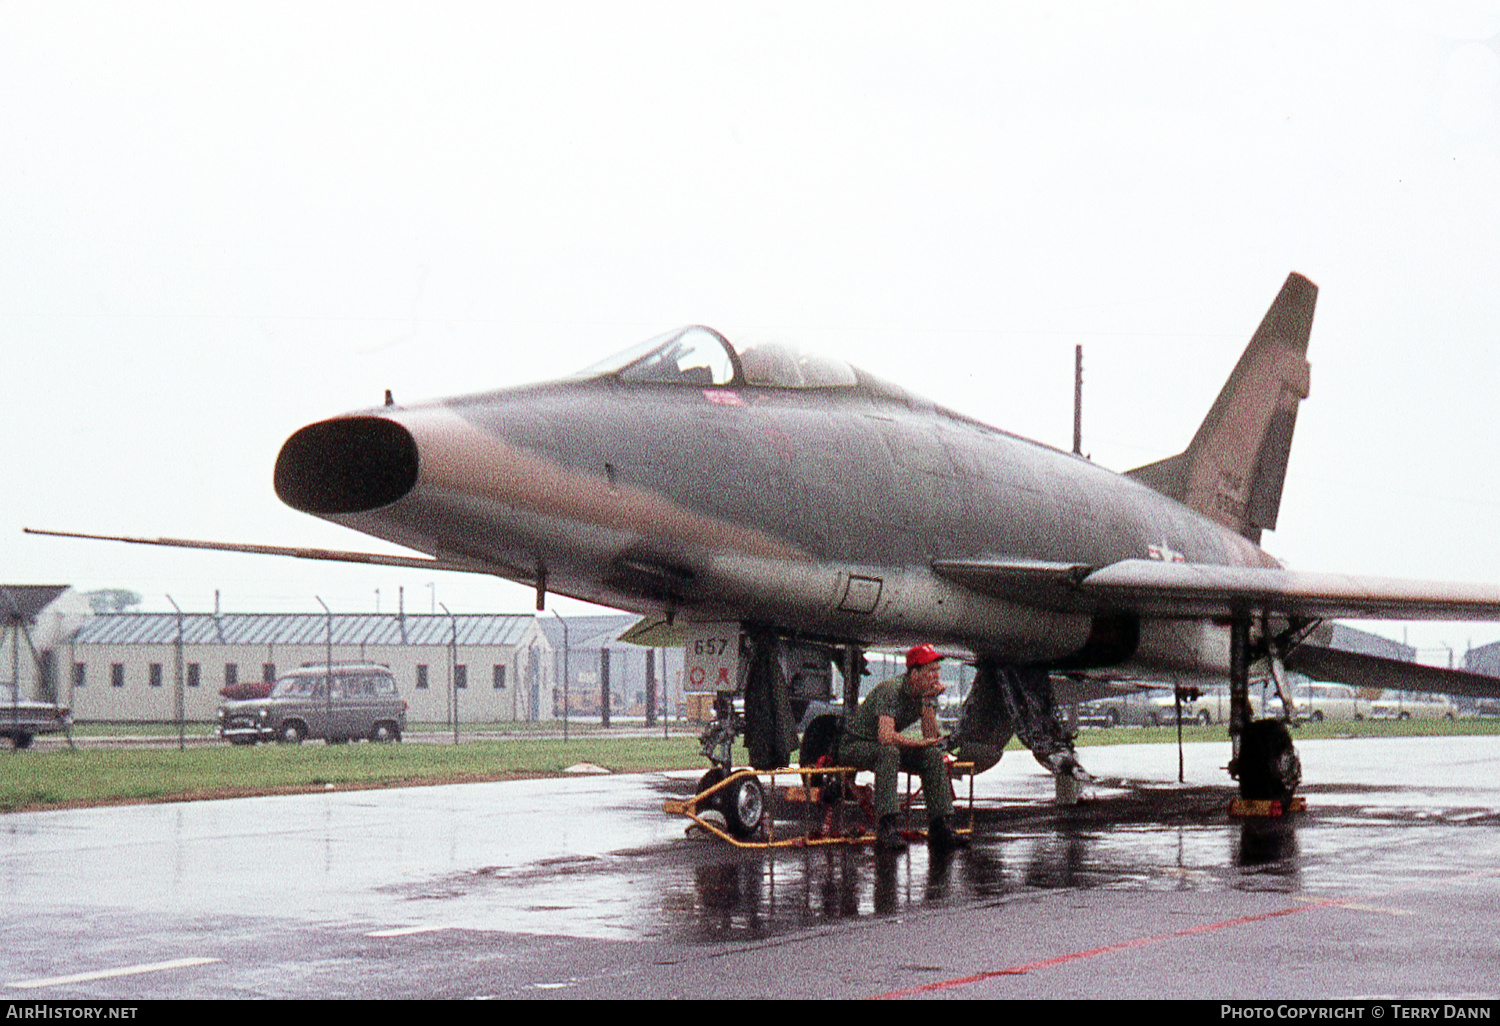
(1111, 718)
(1205, 719)
(384, 732)
(1268, 765)
(744, 807)
(291, 733)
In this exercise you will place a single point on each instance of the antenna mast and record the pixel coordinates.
(1078, 400)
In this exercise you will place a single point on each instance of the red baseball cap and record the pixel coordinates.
(921, 655)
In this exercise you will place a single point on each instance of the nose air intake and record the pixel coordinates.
(346, 465)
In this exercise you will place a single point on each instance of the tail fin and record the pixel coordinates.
(1234, 469)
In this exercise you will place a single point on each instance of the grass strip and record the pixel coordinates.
(102, 776)
(99, 776)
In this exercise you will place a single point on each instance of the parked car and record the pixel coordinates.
(20, 721)
(1132, 709)
(1211, 705)
(363, 703)
(1317, 701)
(248, 689)
(1162, 710)
(1412, 705)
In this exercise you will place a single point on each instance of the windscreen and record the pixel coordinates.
(689, 356)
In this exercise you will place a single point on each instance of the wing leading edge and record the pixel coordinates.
(1153, 588)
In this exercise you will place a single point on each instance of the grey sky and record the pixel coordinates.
(223, 222)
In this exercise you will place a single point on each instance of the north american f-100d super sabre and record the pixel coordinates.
(819, 510)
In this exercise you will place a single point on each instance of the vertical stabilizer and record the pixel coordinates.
(1234, 469)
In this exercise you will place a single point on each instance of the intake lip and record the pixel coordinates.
(346, 465)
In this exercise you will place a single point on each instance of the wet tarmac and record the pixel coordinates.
(1388, 886)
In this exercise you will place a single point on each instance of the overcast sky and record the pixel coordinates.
(221, 222)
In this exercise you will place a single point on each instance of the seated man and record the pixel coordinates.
(873, 741)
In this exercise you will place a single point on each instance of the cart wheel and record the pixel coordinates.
(744, 806)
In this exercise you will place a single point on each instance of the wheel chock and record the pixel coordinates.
(1248, 808)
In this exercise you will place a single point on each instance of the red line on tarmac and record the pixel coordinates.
(1108, 949)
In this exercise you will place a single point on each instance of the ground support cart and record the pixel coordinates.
(747, 808)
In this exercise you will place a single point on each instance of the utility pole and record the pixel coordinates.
(328, 665)
(564, 625)
(604, 687)
(452, 668)
(650, 687)
(181, 714)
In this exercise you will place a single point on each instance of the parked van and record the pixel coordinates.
(362, 703)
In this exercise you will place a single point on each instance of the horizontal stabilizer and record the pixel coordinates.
(1368, 671)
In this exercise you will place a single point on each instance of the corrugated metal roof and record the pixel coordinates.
(302, 629)
(588, 631)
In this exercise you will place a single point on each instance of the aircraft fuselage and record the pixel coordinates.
(816, 509)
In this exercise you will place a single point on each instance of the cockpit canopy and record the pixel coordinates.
(701, 356)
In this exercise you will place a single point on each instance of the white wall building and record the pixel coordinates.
(125, 666)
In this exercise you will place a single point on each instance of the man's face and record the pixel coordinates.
(924, 682)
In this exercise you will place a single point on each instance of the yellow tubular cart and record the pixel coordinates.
(738, 807)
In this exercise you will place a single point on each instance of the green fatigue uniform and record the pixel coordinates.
(860, 747)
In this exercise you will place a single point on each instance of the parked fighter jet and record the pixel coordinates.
(818, 510)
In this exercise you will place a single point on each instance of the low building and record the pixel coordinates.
(1350, 639)
(1485, 659)
(126, 666)
(594, 655)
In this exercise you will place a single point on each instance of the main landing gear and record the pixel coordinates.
(1264, 761)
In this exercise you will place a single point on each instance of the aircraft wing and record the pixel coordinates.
(1197, 590)
(327, 555)
(1371, 671)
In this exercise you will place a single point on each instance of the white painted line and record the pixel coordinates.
(105, 974)
(407, 931)
(1376, 908)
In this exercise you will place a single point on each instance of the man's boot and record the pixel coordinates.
(942, 837)
(889, 838)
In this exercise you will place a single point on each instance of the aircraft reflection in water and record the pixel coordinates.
(796, 510)
(754, 898)
(738, 897)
